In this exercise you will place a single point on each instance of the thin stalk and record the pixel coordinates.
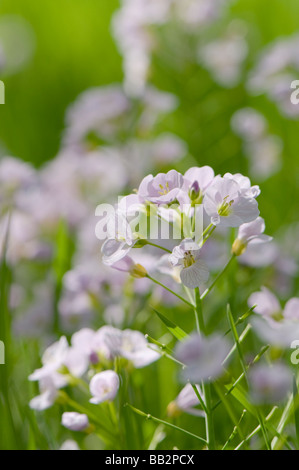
(257, 429)
(208, 290)
(283, 421)
(165, 423)
(210, 432)
(207, 230)
(241, 358)
(81, 409)
(158, 246)
(229, 409)
(241, 338)
(235, 431)
(238, 380)
(169, 290)
(199, 398)
(168, 356)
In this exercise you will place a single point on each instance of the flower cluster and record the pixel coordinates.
(228, 201)
(90, 355)
(177, 253)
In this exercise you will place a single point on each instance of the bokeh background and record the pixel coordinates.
(73, 49)
(57, 50)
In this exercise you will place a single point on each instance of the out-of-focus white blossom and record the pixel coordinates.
(104, 387)
(224, 57)
(269, 384)
(69, 444)
(203, 357)
(186, 401)
(74, 421)
(262, 149)
(252, 232)
(279, 327)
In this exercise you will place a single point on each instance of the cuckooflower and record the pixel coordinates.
(245, 184)
(69, 444)
(135, 348)
(194, 271)
(104, 387)
(279, 327)
(127, 265)
(252, 232)
(266, 303)
(52, 360)
(230, 202)
(269, 384)
(163, 188)
(74, 421)
(47, 396)
(203, 357)
(120, 239)
(185, 402)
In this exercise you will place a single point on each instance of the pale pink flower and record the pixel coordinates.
(135, 348)
(69, 444)
(163, 188)
(252, 232)
(266, 303)
(194, 271)
(291, 309)
(74, 421)
(47, 396)
(104, 387)
(279, 327)
(269, 384)
(203, 357)
(230, 201)
(186, 401)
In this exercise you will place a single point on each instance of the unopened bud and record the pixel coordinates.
(173, 411)
(238, 247)
(138, 271)
(194, 192)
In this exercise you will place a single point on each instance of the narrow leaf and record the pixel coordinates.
(175, 330)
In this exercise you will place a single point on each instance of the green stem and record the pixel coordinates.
(238, 380)
(276, 442)
(200, 324)
(257, 429)
(158, 246)
(235, 431)
(210, 432)
(165, 423)
(207, 230)
(169, 290)
(208, 290)
(244, 368)
(199, 398)
(81, 409)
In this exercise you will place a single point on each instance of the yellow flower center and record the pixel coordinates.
(164, 189)
(225, 209)
(188, 259)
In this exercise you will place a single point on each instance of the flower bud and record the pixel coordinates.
(195, 193)
(138, 271)
(173, 411)
(238, 247)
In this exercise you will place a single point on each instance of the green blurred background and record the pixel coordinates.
(74, 50)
